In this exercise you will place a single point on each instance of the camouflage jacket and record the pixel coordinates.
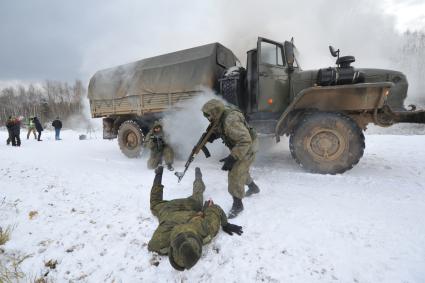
(235, 133)
(182, 215)
(232, 128)
(156, 141)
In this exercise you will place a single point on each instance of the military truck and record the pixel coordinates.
(324, 112)
(131, 97)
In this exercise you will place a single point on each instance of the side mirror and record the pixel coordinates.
(333, 52)
(289, 53)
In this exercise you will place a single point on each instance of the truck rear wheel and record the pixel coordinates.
(327, 143)
(130, 138)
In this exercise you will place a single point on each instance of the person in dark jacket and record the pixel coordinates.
(57, 124)
(14, 127)
(8, 127)
(38, 127)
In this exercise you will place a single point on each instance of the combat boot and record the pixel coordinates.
(237, 208)
(252, 189)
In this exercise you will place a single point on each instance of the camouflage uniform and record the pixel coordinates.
(185, 218)
(156, 142)
(236, 134)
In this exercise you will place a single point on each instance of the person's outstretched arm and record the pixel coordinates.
(157, 191)
(198, 187)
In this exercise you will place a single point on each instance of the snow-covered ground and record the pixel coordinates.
(93, 216)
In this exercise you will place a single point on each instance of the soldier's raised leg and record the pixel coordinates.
(156, 198)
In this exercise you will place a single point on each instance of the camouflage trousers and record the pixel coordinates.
(156, 157)
(239, 176)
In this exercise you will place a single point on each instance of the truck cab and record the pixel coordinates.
(324, 111)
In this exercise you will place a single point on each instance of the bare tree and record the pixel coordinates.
(52, 99)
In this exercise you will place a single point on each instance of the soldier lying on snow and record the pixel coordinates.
(185, 224)
(156, 142)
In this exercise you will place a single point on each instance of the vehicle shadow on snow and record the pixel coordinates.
(275, 155)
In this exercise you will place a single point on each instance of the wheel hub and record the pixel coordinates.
(326, 144)
(131, 140)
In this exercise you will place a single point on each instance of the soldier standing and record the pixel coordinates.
(236, 134)
(185, 224)
(155, 141)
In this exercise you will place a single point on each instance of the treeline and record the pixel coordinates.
(46, 100)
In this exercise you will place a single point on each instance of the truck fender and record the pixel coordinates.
(352, 97)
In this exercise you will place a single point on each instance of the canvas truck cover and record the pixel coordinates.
(179, 72)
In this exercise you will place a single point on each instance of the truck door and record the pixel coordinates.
(273, 79)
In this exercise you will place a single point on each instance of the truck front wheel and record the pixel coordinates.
(130, 139)
(327, 143)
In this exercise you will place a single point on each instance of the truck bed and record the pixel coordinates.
(158, 83)
(138, 104)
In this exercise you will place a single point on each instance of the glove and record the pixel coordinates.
(158, 175)
(198, 174)
(229, 161)
(232, 228)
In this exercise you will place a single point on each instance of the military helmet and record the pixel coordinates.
(157, 125)
(213, 109)
(185, 251)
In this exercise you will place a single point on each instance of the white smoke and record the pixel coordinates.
(360, 28)
(185, 125)
(82, 121)
(368, 30)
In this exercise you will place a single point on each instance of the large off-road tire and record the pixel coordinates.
(130, 139)
(327, 143)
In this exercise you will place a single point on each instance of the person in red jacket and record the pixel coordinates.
(14, 127)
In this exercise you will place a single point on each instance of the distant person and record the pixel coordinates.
(14, 127)
(185, 225)
(8, 127)
(156, 142)
(31, 128)
(38, 127)
(57, 124)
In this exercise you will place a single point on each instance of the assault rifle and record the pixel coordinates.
(198, 147)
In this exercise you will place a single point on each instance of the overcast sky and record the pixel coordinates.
(67, 40)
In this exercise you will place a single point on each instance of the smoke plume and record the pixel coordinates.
(186, 123)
